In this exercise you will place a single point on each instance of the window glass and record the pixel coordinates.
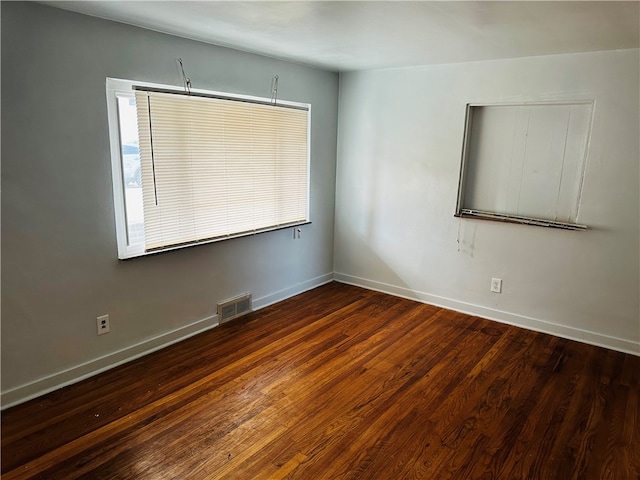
(131, 172)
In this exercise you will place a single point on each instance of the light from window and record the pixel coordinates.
(131, 171)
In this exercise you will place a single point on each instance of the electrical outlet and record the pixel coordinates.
(103, 324)
(496, 285)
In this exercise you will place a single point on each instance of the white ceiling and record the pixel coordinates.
(359, 35)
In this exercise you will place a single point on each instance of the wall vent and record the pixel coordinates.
(234, 307)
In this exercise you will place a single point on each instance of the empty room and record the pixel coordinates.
(320, 240)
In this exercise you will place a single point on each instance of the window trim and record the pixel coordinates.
(120, 87)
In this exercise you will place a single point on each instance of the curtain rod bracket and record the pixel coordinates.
(186, 81)
(274, 90)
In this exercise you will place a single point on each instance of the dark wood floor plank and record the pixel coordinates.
(542, 421)
(384, 412)
(406, 446)
(565, 413)
(470, 424)
(631, 433)
(520, 404)
(342, 382)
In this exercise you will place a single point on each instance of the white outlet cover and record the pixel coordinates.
(102, 323)
(496, 285)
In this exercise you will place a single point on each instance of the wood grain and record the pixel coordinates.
(342, 383)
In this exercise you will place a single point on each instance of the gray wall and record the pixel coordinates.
(59, 255)
(399, 149)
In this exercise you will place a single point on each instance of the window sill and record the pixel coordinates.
(501, 217)
(134, 253)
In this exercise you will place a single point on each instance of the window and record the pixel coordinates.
(524, 163)
(191, 169)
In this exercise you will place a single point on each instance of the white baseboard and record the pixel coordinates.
(88, 369)
(288, 292)
(564, 331)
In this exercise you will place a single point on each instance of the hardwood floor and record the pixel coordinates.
(342, 382)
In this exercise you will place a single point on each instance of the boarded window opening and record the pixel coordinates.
(525, 163)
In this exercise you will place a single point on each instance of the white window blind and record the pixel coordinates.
(215, 167)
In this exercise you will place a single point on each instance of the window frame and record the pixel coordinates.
(116, 88)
